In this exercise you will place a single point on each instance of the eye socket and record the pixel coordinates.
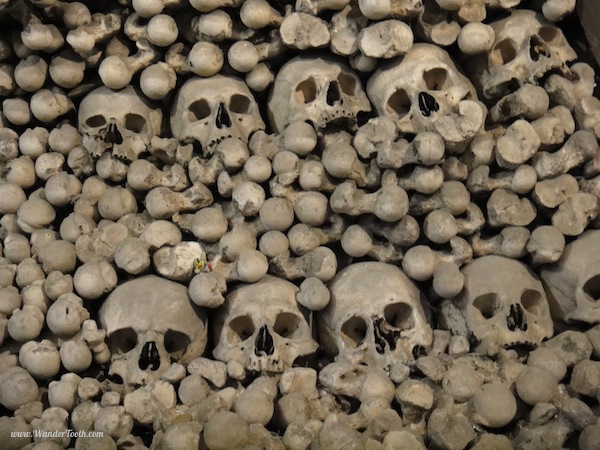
(354, 331)
(306, 91)
(123, 340)
(399, 315)
(592, 287)
(347, 83)
(286, 325)
(531, 299)
(548, 33)
(242, 328)
(135, 122)
(487, 304)
(435, 79)
(176, 342)
(398, 104)
(240, 104)
(504, 52)
(200, 109)
(96, 121)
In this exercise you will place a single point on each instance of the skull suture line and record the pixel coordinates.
(122, 121)
(150, 321)
(263, 327)
(208, 110)
(573, 282)
(526, 47)
(374, 316)
(503, 303)
(317, 90)
(424, 91)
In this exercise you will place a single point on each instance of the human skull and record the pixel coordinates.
(504, 303)
(375, 316)
(149, 323)
(318, 90)
(573, 282)
(262, 326)
(526, 47)
(424, 91)
(122, 121)
(208, 110)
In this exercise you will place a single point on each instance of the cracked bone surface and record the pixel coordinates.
(366, 219)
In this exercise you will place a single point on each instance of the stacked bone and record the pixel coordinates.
(312, 150)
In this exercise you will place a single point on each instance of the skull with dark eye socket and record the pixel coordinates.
(147, 331)
(209, 110)
(320, 91)
(573, 282)
(507, 309)
(425, 91)
(123, 122)
(526, 48)
(262, 327)
(375, 316)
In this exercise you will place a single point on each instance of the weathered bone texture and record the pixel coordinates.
(525, 48)
(145, 329)
(571, 281)
(208, 110)
(122, 122)
(313, 148)
(262, 327)
(508, 309)
(381, 332)
(318, 90)
(424, 91)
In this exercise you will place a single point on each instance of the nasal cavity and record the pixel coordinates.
(385, 337)
(333, 94)
(427, 104)
(113, 135)
(516, 320)
(263, 345)
(223, 119)
(149, 358)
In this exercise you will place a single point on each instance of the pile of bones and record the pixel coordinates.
(327, 224)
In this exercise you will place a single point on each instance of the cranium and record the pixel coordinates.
(504, 303)
(526, 47)
(317, 90)
(424, 91)
(374, 316)
(208, 110)
(261, 326)
(573, 282)
(123, 121)
(150, 322)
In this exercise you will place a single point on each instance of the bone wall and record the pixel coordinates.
(259, 224)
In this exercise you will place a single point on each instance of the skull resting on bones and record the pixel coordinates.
(375, 316)
(526, 47)
(424, 91)
(122, 121)
(573, 282)
(263, 327)
(503, 303)
(149, 322)
(317, 90)
(208, 110)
